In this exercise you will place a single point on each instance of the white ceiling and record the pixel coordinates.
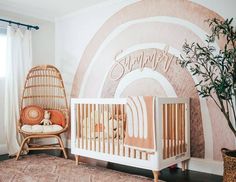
(51, 9)
(46, 9)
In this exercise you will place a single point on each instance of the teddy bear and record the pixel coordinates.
(46, 120)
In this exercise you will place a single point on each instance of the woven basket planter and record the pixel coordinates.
(229, 158)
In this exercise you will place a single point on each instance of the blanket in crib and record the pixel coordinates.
(140, 127)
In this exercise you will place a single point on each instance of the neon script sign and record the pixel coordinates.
(149, 58)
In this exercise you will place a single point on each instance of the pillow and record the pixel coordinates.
(41, 128)
(32, 115)
(57, 117)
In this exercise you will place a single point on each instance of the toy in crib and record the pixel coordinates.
(110, 124)
(121, 119)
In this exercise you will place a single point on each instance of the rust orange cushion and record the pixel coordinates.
(57, 117)
(32, 115)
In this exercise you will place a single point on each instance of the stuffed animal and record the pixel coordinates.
(46, 120)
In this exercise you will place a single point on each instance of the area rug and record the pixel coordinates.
(45, 168)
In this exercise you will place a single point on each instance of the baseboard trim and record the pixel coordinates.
(205, 165)
(3, 149)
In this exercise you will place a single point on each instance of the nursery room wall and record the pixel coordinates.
(43, 40)
(42, 53)
(97, 43)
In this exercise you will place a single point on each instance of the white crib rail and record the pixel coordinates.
(171, 126)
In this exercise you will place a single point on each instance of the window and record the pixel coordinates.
(3, 52)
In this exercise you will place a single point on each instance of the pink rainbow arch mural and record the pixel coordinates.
(136, 52)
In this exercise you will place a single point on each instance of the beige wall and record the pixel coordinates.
(42, 48)
(90, 49)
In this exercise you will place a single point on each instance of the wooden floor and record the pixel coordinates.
(168, 175)
(171, 175)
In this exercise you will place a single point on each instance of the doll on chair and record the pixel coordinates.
(46, 120)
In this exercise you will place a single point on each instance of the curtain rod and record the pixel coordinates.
(21, 24)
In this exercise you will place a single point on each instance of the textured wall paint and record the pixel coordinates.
(123, 26)
(183, 85)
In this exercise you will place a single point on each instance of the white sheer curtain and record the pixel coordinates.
(19, 61)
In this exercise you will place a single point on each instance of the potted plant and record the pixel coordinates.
(217, 72)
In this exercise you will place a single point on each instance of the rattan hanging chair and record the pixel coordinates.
(43, 92)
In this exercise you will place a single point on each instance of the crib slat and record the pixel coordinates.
(117, 130)
(171, 131)
(113, 114)
(177, 122)
(78, 124)
(99, 127)
(122, 132)
(108, 130)
(82, 130)
(182, 119)
(184, 143)
(174, 128)
(86, 126)
(171, 134)
(89, 116)
(168, 129)
(181, 129)
(103, 128)
(164, 129)
(94, 132)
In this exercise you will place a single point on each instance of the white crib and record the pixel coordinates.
(89, 139)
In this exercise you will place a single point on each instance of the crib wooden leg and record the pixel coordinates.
(76, 160)
(156, 175)
(184, 165)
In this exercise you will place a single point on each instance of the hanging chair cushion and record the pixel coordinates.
(32, 115)
(41, 128)
(57, 117)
